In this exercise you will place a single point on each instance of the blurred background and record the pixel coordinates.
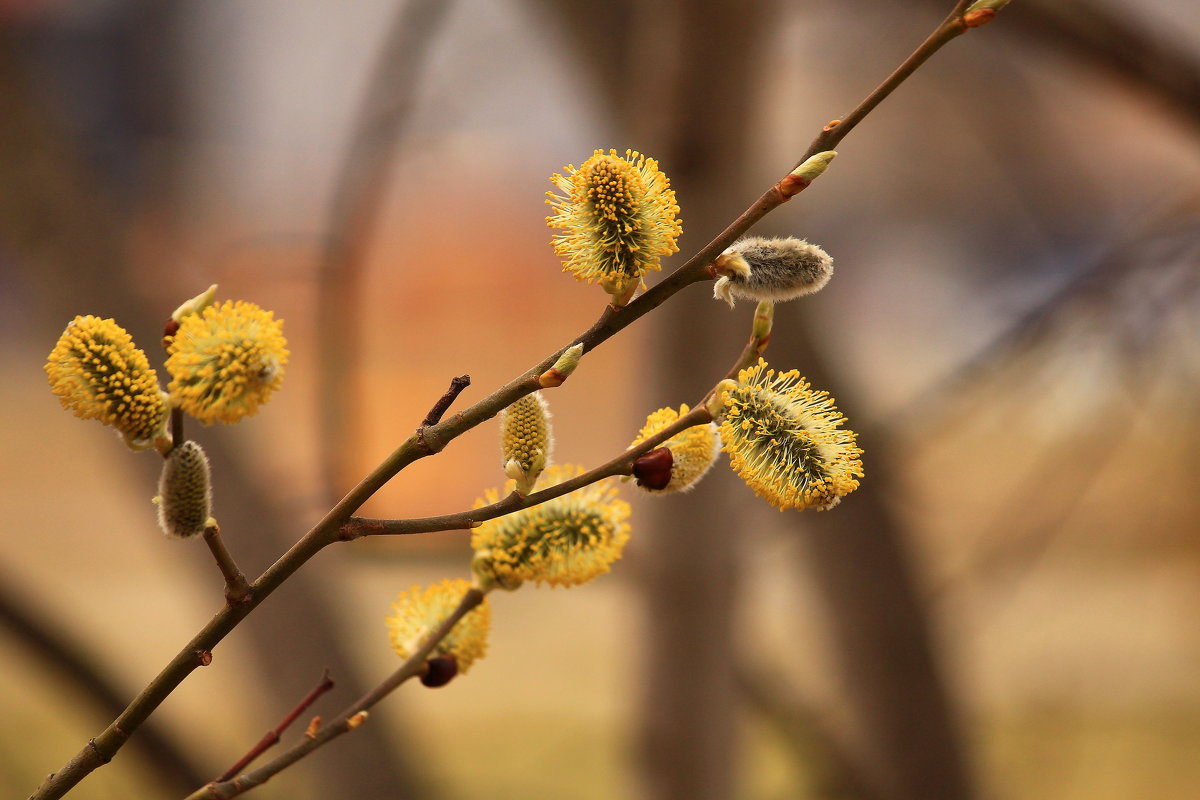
(1009, 607)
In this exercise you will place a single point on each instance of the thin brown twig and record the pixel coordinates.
(439, 408)
(347, 720)
(951, 27)
(271, 737)
(358, 527)
(428, 440)
(237, 590)
(176, 427)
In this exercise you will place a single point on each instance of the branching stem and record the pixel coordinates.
(430, 439)
(271, 737)
(358, 527)
(346, 721)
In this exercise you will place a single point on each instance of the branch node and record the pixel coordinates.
(203, 657)
(104, 759)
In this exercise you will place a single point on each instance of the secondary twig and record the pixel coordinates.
(237, 590)
(176, 426)
(837, 130)
(347, 720)
(272, 736)
(439, 408)
(358, 527)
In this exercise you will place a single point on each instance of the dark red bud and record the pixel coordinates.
(169, 331)
(439, 671)
(653, 470)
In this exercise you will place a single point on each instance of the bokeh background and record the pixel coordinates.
(1008, 608)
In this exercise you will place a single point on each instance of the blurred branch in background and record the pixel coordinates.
(831, 772)
(694, 117)
(48, 642)
(863, 564)
(1116, 40)
(360, 188)
(691, 117)
(1130, 311)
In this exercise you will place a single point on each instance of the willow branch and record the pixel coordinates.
(348, 719)
(431, 439)
(358, 527)
(951, 27)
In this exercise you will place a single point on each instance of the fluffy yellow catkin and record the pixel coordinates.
(693, 451)
(618, 216)
(97, 372)
(225, 361)
(417, 612)
(563, 542)
(787, 441)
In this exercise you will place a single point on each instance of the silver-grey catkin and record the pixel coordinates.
(184, 492)
(778, 269)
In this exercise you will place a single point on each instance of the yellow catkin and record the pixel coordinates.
(526, 441)
(417, 612)
(98, 373)
(618, 216)
(787, 441)
(226, 361)
(566, 541)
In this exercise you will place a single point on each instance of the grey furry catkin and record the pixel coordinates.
(759, 268)
(184, 493)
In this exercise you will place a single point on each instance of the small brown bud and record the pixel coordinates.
(653, 470)
(439, 671)
(169, 331)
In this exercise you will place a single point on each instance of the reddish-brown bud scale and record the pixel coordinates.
(791, 186)
(551, 378)
(439, 671)
(169, 331)
(980, 17)
(653, 470)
